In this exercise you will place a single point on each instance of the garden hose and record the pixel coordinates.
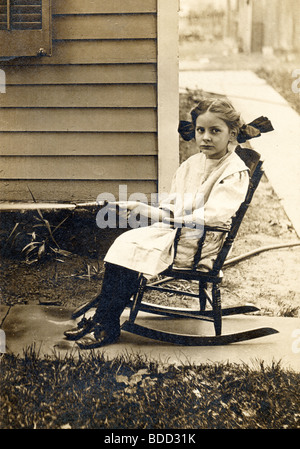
(256, 251)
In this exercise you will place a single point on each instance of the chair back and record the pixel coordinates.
(253, 161)
(250, 157)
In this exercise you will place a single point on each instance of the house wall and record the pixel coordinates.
(84, 121)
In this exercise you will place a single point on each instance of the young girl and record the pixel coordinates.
(207, 188)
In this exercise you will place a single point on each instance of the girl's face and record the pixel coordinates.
(212, 135)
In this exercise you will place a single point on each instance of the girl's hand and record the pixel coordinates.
(176, 222)
(129, 205)
(180, 222)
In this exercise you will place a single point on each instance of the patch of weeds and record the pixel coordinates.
(288, 310)
(40, 240)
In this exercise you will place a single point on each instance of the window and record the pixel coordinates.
(25, 28)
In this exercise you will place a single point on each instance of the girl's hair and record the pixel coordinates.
(225, 111)
(222, 108)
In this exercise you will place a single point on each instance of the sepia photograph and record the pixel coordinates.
(149, 217)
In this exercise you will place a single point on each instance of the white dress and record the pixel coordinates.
(221, 184)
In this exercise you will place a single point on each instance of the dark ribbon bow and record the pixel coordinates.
(186, 130)
(254, 129)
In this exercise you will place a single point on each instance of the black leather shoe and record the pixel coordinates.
(98, 340)
(84, 327)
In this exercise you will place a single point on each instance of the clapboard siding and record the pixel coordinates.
(71, 190)
(77, 144)
(96, 51)
(81, 74)
(110, 26)
(84, 167)
(103, 6)
(81, 96)
(76, 119)
(84, 118)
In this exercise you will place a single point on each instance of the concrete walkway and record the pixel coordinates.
(42, 327)
(280, 149)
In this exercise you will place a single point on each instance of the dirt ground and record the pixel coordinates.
(269, 280)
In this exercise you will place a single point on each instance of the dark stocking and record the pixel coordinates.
(119, 284)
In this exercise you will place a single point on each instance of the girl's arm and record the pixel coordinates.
(151, 212)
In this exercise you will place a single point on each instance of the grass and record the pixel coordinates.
(131, 392)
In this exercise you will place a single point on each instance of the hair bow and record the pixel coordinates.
(186, 130)
(254, 129)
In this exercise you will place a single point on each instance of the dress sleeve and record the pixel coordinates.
(224, 200)
(167, 201)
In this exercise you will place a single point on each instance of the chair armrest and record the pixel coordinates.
(194, 225)
(216, 228)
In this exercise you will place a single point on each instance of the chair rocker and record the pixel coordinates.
(211, 279)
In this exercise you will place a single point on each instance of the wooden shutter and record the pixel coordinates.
(25, 28)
